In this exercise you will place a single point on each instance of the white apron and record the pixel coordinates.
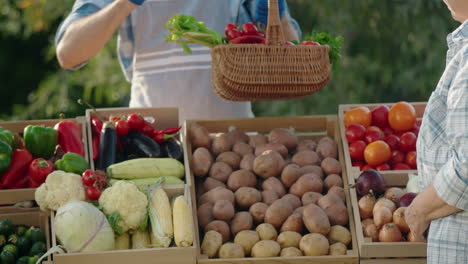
(165, 76)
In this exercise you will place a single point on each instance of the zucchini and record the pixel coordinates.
(172, 148)
(107, 146)
(146, 168)
(142, 146)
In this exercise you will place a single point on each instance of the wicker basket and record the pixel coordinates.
(254, 72)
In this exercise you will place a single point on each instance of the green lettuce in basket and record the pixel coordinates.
(335, 45)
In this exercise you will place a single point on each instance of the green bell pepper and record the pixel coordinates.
(72, 162)
(7, 136)
(40, 141)
(5, 156)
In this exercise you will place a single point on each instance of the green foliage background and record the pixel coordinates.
(393, 50)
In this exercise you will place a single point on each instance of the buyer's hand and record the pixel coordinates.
(417, 221)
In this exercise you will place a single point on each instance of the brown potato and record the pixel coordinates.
(305, 158)
(330, 200)
(241, 178)
(327, 148)
(220, 227)
(211, 183)
(242, 149)
(218, 193)
(231, 250)
(205, 214)
(269, 164)
(201, 161)
(338, 249)
(281, 149)
(339, 234)
(266, 232)
(230, 158)
(293, 223)
(266, 249)
(333, 180)
(247, 196)
(338, 191)
(335, 209)
(223, 210)
(236, 136)
(247, 239)
(299, 210)
(247, 162)
(258, 140)
(211, 243)
(221, 143)
(278, 212)
(291, 252)
(199, 136)
(290, 174)
(306, 144)
(331, 166)
(317, 170)
(258, 211)
(241, 221)
(220, 171)
(283, 136)
(307, 183)
(293, 200)
(275, 185)
(316, 220)
(314, 245)
(311, 198)
(289, 239)
(199, 188)
(269, 197)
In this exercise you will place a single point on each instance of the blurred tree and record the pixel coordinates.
(393, 50)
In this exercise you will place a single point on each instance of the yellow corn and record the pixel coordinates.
(160, 214)
(183, 222)
(122, 241)
(140, 239)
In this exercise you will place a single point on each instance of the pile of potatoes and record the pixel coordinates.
(268, 195)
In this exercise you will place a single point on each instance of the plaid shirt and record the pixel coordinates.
(443, 153)
(241, 11)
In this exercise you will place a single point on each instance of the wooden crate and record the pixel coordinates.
(34, 217)
(18, 195)
(419, 107)
(173, 255)
(369, 249)
(394, 261)
(312, 127)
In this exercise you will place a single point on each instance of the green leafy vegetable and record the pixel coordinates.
(185, 29)
(114, 220)
(334, 43)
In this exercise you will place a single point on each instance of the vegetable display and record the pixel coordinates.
(72, 162)
(268, 195)
(40, 140)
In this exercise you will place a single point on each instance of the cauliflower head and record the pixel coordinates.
(128, 202)
(59, 188)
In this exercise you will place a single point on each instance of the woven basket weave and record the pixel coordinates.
(255, 72)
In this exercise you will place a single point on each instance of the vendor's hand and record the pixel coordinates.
(261, 12)
(137, 2)
(416, 220)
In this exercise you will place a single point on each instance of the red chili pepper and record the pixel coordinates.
(171, 131)
(39, 169)
(147, 129)
(69, 137)
(96, 125)
(251, 39)
(22, 183)
(96, 141)
(160, 138)
(20, 161)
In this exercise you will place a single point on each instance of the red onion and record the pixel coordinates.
(370, 181)
(406, 199)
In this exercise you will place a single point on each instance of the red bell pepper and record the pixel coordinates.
(69, 137)
(96, 141)
(20, 161)
(32, 183)
(39, 169)
(22, 183)
(96, 125)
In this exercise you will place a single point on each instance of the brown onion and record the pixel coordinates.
(384, 202)
(399, 219)
(394, 194)
(412, 238)
(382, 216)
(366, 205)
(372, 231)
(367, 222)
(390, 233)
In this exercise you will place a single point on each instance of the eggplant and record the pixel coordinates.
(172, 148)
(107, 146)
(142, 146)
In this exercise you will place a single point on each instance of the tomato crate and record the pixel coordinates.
(173, 255)
(306, 127)
(18, 195)
(410, 251)
(419, 108)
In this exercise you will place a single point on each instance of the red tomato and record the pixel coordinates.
(135, 122)
(383, 167)
(377, 152)
(289, 43)
(392, 141)
(411, 159)
(355, 132)
(408, 142)
(359, 164)
(356, 150)
(373, 135)
(402, 116)
(101, 179)
(114, 118)
(310, 42)
(401, 166)
(376, 128)
(88, 178)
(147, 129)
(415, 129)
(397, 157)
(232, 31)
(93, 193)
(122, 128)
(367, 167)
(380, 116)
(388, 131)
(249, 28)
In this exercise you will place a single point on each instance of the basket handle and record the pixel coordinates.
(274, 34)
